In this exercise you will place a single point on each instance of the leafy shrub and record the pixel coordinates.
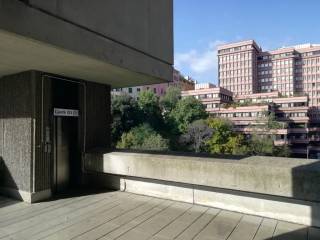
(143, 137)
(185, 112)
(198, 133)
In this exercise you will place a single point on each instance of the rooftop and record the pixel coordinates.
(119, 215)
(301, 46)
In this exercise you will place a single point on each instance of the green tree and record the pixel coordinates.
(281, 151)
(224, 140)
(272, 122)
(170, 99)
(125, 113)
(222, 129)
(185, 112)
(236, 145)
(148, 104)
(268, 121)
(143, 137)
(197, 135)
(261, 145)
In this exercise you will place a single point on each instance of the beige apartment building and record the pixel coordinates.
(238, 70)
(244, 68)
(298, 129)
(211, 96)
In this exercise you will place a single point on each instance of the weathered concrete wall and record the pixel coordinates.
(145, 25)
(292, 178)
(118, 42)
(16, 130)
(98, 116)
(280, 188)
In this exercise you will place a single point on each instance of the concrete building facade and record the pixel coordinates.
(59, 61)
(244, 68)
(287, 77)
(211, 96)
(247, 112)
(237, 63)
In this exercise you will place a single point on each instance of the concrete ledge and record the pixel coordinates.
(279, 188)
(290, 210)
(26, 196)
(291, 178)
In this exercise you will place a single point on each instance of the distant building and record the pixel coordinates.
(245, 69)
(178, 80)
(285, 81)
(211, 96)
(246, 112)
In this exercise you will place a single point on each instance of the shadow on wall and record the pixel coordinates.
(91, 177)
(5, 176)
(306, 187)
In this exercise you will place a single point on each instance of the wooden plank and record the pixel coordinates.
(266, 229)
(29, 208)
(88, 224)
(290, 231)
(39, 223)
(221, 226)
(127, 216)
(181, 223)
(247, 228)
(314, 233)
(34, 218)
(155, 224)
(106, 228)
(3, 201)
(14, 222)
(137, 221)
(79, 216)
(34, 210)
(12, 207)
(196, 227)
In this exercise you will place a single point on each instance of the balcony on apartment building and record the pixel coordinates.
(246, 115)
(280, 142)
(252, 128)
(296, 117)
(299, 141)
(314, 139)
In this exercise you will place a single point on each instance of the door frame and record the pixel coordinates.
(81, 125)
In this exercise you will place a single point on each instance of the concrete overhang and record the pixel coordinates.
(33, 40)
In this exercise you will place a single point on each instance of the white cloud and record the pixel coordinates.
(199, 63)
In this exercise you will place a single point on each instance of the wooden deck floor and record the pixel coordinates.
(118, 215)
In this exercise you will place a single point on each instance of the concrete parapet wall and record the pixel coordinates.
(285, 177)
(280, 188)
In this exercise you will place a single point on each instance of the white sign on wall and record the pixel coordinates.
(60, 112)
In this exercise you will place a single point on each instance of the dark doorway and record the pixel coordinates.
(67, 157)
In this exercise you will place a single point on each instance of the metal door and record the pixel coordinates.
(62, 152)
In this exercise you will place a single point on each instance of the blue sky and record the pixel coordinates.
(201, 25)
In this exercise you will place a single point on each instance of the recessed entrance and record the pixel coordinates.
(66, 125)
